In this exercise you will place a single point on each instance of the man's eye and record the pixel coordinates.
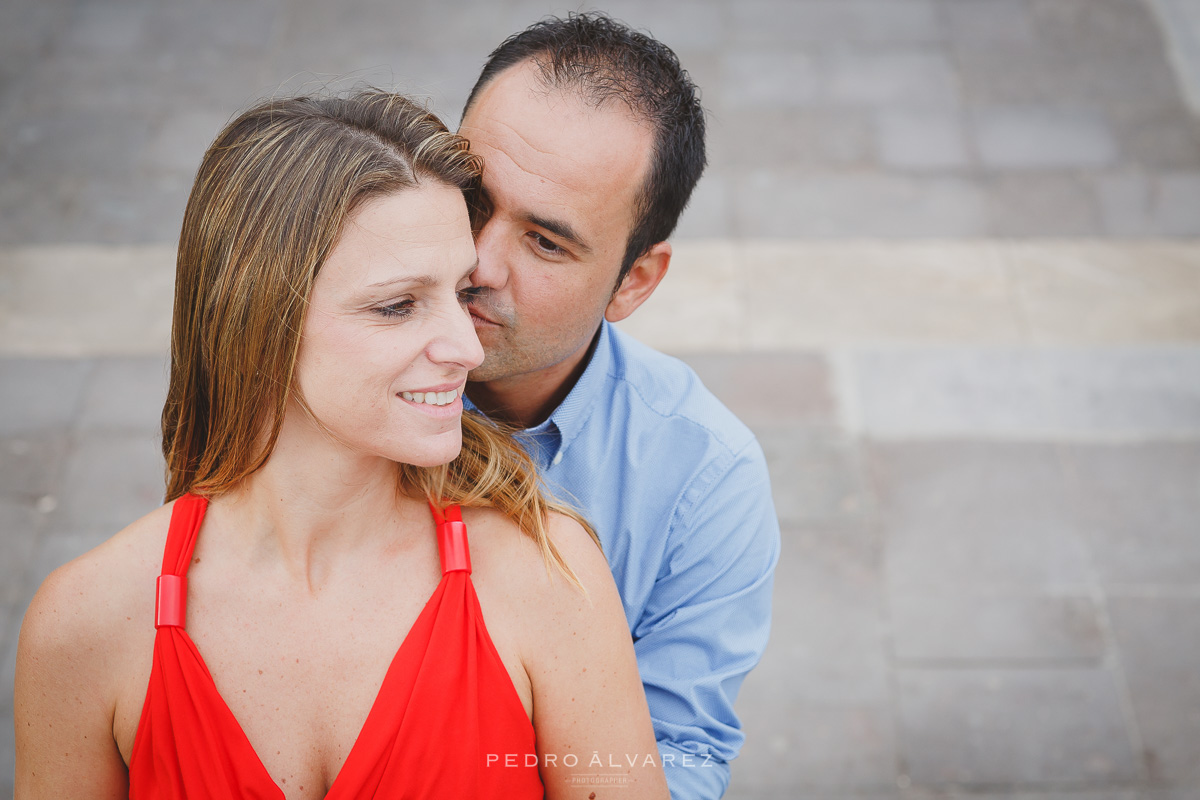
(469, 295)
(400, 309)
(544, 244)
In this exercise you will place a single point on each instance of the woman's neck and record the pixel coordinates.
(316, 504)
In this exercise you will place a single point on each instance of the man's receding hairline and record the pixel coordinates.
(578, 85)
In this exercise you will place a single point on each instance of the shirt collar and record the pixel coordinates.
(576, 407)
(568, 419)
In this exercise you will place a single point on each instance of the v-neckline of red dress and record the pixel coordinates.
(426, 610)
(182, 699)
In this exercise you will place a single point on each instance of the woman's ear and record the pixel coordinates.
(639, 283)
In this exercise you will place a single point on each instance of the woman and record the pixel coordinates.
(317, 628)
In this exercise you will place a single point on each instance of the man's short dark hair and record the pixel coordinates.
(606, 60)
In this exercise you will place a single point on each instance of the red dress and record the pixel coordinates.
(446, 707)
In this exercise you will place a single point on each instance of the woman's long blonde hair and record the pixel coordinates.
(268, 204)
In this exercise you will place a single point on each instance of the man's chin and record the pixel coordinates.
(483, 374)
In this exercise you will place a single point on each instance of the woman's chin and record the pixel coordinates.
(433, 456)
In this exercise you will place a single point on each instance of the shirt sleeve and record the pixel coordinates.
(707, 620)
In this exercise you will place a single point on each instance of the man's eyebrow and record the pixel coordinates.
(560, 229)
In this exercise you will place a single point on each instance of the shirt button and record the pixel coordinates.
(557, 458)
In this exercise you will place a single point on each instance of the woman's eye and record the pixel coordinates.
(545, 245)
(395, 310)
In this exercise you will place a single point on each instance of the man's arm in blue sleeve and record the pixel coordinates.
(707, 621)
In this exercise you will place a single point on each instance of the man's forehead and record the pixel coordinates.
(557, 135)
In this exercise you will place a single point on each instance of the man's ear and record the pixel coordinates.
(640, 283)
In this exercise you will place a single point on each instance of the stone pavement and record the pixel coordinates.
(944, 263)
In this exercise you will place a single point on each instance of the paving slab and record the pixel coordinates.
(129, 293)
(31, 466)
(38, 395)
(922, 140)
(1159, 640)
(977, 24)
(1161, 140)
(767, 80)
(1122, 393)
(1031, 204)
(970, 627)
(1139, 292)
(125, 394)
(1095, 27)
(810, 138)
(919, 78)
(178, 143)
(111, 480)
(828, 294)
(706, 23)
(970, 515)
(842, 749)
(1020, 728)
(8, 746)
(1137, 203)
(20, 527)
(1046, 137)
(771, 388)
(956, 793)
(1180, 22)
(857, 205)
(737, 793)
(815, 473)
(709, 211)
(828, 646)
(1139, 505)
(1044, 76)
(870, 22)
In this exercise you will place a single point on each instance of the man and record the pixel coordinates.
(593, 139)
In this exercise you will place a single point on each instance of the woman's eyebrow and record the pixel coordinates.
(421, 280)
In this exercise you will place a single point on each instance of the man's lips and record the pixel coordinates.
(479, 318)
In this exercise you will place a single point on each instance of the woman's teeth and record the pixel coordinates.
(431, 398)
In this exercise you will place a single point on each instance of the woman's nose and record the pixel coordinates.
(492, 272)
(459, 343)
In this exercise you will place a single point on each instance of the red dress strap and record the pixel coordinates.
(170, 600)
(452, 539)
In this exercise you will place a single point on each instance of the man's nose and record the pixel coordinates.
(492, 272)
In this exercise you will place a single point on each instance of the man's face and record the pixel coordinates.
(561, 178)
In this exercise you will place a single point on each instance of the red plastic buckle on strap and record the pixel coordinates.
(170, 602)
(452, 538)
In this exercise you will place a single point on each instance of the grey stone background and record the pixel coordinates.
(963, 235)
(832, 118)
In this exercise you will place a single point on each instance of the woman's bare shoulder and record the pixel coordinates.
(501, 550)
(90, 600)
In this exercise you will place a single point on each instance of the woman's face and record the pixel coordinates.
(387, 341)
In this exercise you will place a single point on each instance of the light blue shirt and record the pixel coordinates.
(677, 489)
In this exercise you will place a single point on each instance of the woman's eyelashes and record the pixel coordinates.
(402, 309)
(398, 310)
